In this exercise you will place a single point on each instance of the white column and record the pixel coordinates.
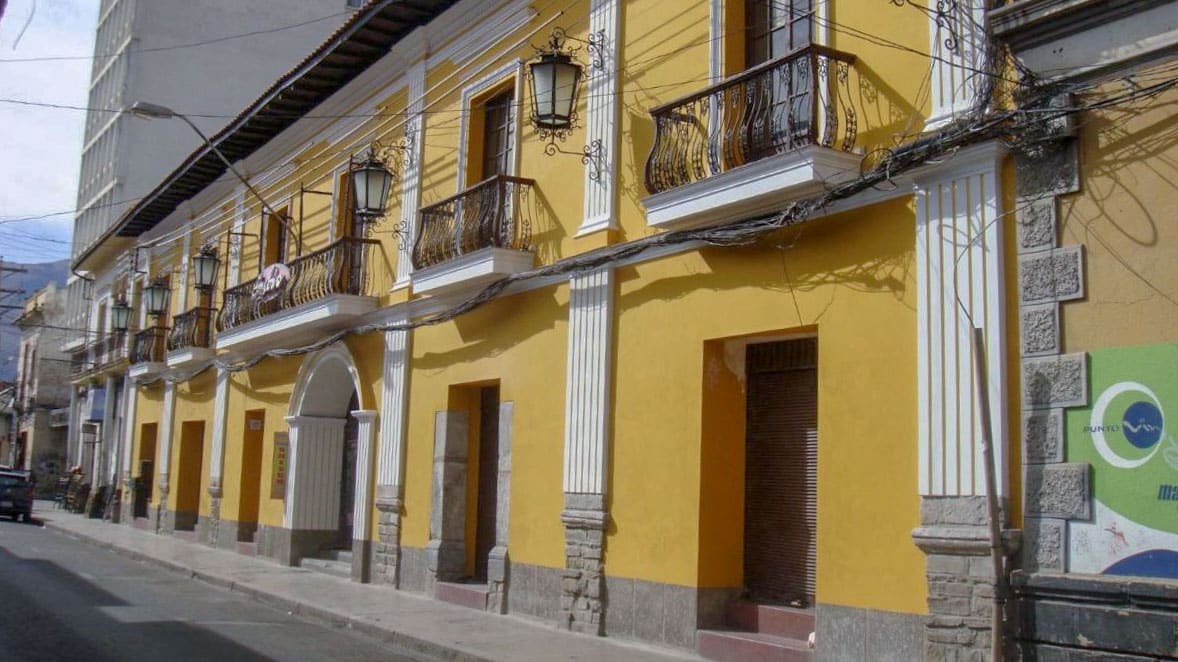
(74, 441)
(602, 119)
(110, 434)
(959, 277)
(128, 437)
(181, 284)
(957, 40)
(316, 460)
(220, 413)
(164, 456)
(587, 392)
(362, 503)
(411, 176)
(393, 402)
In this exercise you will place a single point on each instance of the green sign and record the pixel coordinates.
(1133, 453)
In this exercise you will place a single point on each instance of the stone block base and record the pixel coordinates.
(961, 576)
(386, 553)
(582, 607)
(290, 546)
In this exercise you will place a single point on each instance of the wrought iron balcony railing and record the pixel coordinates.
(99, 355)
(80, 362)
(342, 267)
(796, 100)
(148, 345)
(192, 329)
(492, 213)
(110, 349)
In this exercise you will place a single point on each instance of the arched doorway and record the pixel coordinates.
(330, 436)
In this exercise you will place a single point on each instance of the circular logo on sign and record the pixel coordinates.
(1125, 426)
(1143, 424)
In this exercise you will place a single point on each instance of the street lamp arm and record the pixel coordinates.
(154, 111)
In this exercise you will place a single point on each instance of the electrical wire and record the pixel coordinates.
(173, 47)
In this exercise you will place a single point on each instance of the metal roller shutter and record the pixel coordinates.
(781, 471)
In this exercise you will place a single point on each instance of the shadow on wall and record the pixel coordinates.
(784, 262)
(1113, 145)
(490, 330)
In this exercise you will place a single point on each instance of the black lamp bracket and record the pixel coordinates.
(590, 155)
(594, 46)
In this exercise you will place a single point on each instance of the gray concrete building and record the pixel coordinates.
(206, 59)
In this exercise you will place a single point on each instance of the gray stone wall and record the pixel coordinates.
(582, 603)
(386, 553)
(535, 592)
(412, 575)
(1051, 381)
(666, 614)
(955, 537)
(852, 634)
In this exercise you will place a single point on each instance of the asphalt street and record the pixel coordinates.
(63, 599)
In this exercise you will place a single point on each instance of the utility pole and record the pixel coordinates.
(6, 291)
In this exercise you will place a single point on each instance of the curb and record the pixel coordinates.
(404, 641)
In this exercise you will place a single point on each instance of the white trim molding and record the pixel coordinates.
(513, 68)
(586, 419)
(164, 441)
(960, 281)
(394, 401)
(220, 414)
(957, 41)
(602, 120)
(411, 178)
(362, 502)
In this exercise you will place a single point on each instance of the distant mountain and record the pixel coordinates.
(32, 279)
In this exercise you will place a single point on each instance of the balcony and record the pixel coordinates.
(191, 339)
(754, 142)
(475, 237)
(59, 418)
(326, 291)
(107, 355)
(147, 352)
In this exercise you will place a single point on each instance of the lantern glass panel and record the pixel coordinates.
(120, 315)
(543, 75)
(360, 188)
(565, 91)
(205, 265)
(378, 190)
(157, 298)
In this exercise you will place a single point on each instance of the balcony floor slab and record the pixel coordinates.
(296, 325)
(471, 271)
(188, 357)
(754, 188)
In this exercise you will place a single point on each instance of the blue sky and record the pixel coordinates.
(41, 147)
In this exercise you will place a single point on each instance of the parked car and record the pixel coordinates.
(16, 494)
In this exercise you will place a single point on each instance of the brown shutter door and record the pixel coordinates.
(781, 474)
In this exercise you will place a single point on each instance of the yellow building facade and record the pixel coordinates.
(555, 378)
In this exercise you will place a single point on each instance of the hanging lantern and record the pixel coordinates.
(556, 78)
(371, 181)
(155, 297)
(120, 314)
(205, 265)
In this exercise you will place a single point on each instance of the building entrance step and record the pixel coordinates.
(780, 621)
(731, 646)
(327, 566)
(463, 594)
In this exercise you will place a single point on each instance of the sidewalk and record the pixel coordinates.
(409, 621)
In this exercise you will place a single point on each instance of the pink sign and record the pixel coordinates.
(271, 282)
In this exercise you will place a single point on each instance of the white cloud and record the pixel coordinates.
(42, 146)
